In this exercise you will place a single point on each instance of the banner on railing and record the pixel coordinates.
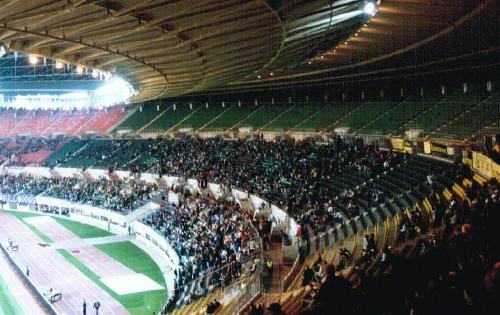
(18, 198)
(485, 166)
(398, 144)
(407, 147)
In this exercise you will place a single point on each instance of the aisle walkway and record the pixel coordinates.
(280, 270)
(109, 239)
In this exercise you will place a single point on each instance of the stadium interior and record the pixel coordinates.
(249, 157)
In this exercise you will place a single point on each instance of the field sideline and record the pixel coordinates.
(124, 253)
(8, 303)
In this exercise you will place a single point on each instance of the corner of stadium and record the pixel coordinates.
(272, 157)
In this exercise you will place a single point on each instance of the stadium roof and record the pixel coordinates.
(168, 48)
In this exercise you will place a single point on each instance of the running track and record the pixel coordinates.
(94, 259)
(20, 296)
(48, 269)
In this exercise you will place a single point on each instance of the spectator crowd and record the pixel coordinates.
(120, 196)
(293, 175)
(453, 269)
(213, 239)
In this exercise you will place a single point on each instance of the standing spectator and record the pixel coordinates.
(84, 307)
(97, 305)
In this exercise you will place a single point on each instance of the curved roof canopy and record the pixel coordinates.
(174, 47)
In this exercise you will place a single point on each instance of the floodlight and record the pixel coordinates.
(107, 75)
(79, 69)
(33, 59)
(59, 65)
(369, 8)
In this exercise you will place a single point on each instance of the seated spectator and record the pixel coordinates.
(274, 309)
(308, 276)
(212, 307)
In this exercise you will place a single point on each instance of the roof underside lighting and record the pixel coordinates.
(3, 50)
(59, 65)
(33, 59)
(370, 8)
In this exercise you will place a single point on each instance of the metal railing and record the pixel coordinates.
(247, 264)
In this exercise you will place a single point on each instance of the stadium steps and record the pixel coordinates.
(230, 118)
(378, 117)
(372, 110)
(391, 122)
(19, 124)
(276, 118)
(200, 118)
(491, 124)
(445, 110)
(387, 234)
(293, 116)
(87, 122)
(473, 120)
(418, 122)
(420, 114)
(214, 119)
(308, 118)
(237, 124)
(246, 204)
(128, 114)
(262, 116)
(140, 116)
(50, 126)
(333, 124)
(69, 147)
(84, 147)
(174, 127)
(154, 119)
(440, 131)
(324, 117)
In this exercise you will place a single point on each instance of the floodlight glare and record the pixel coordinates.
(95, 74)
(79, 69)
(3, 51)
(59, 65)
(107, 75)
(369, 8)
(33, 59)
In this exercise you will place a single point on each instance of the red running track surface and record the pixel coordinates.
(49, 269)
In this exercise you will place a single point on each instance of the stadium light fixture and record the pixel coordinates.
(370, 8)
(3, 50)
(33, 59)
(107, 75)
(59, 65)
